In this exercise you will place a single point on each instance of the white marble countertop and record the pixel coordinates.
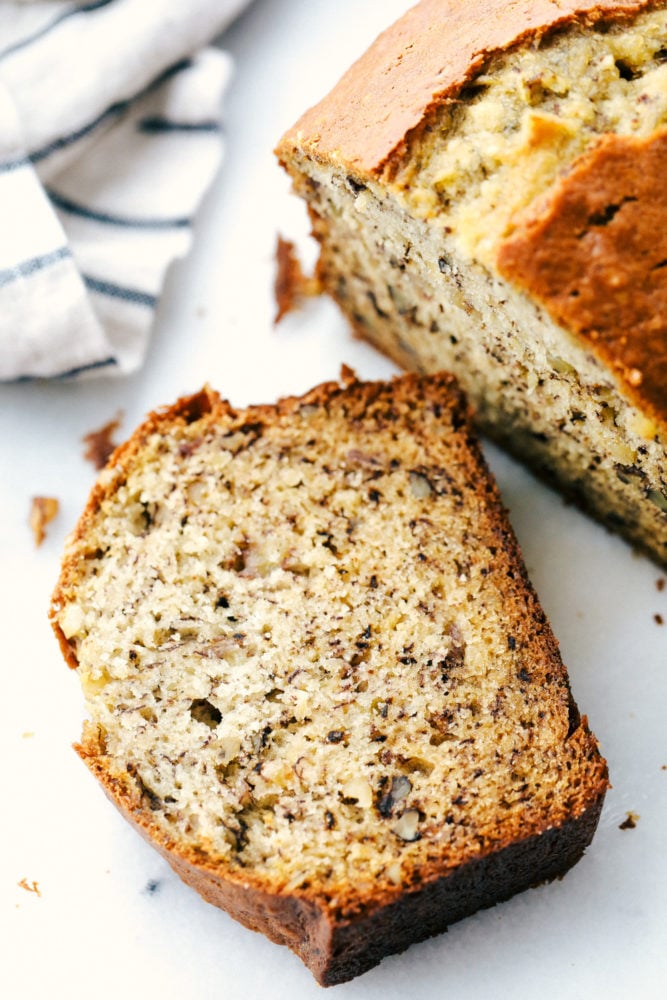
(108, 918)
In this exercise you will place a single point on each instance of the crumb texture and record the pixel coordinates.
(308, 645)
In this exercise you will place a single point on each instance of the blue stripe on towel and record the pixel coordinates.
(28, 267)
(86, 8)
(70, 373)
(93, 366)
(108, 219)
(17, 164)
(113, 111)
(153, 125)
(133, 295)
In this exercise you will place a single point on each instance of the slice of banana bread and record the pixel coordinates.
(317, 676)
(487, 186)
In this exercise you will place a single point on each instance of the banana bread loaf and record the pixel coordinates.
(487, 187)
(317, 677)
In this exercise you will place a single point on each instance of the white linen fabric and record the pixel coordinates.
(110, 134)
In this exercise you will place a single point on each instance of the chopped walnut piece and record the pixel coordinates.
(100, 443)
(407, 827)
(291, 285)
(42, 512)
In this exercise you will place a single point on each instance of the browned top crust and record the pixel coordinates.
(593, 251)
(425, 57)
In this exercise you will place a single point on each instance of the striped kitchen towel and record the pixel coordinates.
(110, 135)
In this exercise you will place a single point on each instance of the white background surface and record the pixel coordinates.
(97, 929)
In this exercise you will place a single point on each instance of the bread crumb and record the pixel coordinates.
(100, 443)
(660, 583)
(348, 376)
(29, 886)
(630, 822)
(658, 619)
(42, 512)
(291, 285)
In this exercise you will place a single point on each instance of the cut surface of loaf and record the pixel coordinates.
(317, 677)
(486, 185)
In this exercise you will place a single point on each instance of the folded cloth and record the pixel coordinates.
(110, 134)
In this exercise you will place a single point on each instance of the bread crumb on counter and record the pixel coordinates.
(29, 886)
(291, 285)
(100, 443)
(630, 822)
(42, 511)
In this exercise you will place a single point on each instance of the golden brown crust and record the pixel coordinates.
(423, 59)
(593, 251)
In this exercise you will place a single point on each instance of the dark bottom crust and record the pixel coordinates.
(337, 951)
(358, 946)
